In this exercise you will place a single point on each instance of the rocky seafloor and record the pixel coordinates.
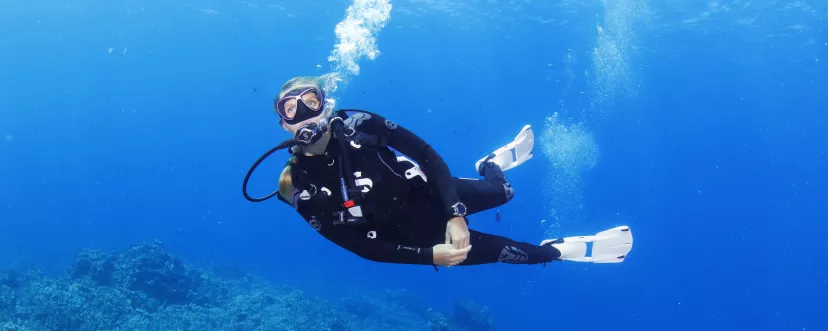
(147, 288)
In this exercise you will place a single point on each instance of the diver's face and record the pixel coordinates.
(288, 107)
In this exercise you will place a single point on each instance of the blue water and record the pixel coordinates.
(700, 125)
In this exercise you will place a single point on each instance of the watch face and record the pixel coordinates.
(460, 209)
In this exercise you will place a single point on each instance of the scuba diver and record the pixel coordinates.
(345, 179)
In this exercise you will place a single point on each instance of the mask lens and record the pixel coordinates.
(287, 108)
(311, 99)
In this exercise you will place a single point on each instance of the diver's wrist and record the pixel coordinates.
(428, 254)
(458, 209)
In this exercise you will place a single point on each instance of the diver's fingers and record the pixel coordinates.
(448, 238)
(455, 260)
(460, 254)
(460, 241)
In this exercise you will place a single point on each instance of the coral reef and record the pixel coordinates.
(473, 316)
(146, 288)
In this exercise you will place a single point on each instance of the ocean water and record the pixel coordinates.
(700, 124)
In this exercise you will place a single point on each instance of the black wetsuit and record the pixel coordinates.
(407, 217)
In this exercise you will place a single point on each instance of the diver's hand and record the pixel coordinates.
(458, 232)
(447, 256)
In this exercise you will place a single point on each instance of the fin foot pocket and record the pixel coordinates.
(513, 154)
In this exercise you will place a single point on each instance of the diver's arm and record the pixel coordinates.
(432, 164)
(357, 240)
(378, 250)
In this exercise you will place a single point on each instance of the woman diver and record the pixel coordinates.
(345, 180)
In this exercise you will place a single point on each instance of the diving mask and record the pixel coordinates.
(300, 105)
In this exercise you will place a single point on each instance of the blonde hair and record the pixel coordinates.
(299, 82)
(286, 181)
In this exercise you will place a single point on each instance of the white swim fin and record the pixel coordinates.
(513, 154)
(610, 246)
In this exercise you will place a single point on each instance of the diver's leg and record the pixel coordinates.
(487, 248)
(495, 190)
(479, 195)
